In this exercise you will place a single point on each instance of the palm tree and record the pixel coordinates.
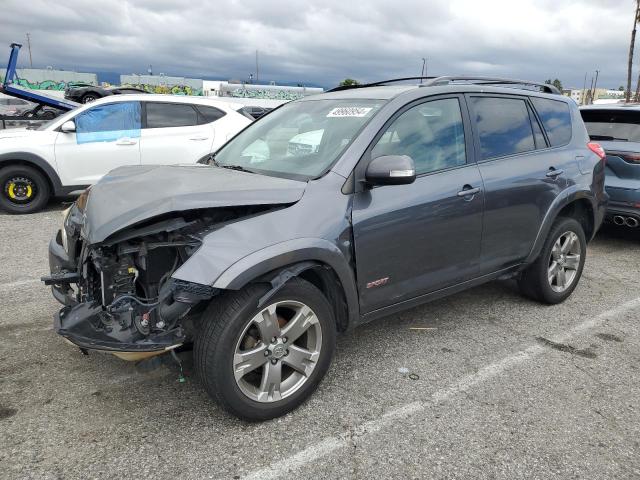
(631, 46)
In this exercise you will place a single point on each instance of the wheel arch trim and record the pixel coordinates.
(279, 262)
(31, 159)
(567, 198)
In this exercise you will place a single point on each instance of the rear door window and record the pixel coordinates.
(163, 115)
(556, 120)
(503, 125)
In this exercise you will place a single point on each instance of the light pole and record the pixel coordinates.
(29, 46)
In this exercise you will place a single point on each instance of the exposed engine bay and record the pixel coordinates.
(119, 294)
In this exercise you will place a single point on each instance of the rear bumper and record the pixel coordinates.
(622, 209)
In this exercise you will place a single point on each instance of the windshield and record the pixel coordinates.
(610, 125)
(300, 139)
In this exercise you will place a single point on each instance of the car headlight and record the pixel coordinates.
(81, 202)
(65, 217)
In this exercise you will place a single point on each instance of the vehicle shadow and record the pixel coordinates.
(613, 233)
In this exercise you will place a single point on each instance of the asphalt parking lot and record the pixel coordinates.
(484, 384)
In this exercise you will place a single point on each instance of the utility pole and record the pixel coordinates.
(257, 70)
(595, 84)
(636, 17)
(424, 67)
(29, 47)
(584, 87)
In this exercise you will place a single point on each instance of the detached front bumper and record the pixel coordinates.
(90, 327)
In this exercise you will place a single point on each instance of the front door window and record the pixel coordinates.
(109, 122)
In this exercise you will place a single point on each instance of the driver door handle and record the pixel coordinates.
(126, 141)
(552, 173)
(465, 192)
(199, 138)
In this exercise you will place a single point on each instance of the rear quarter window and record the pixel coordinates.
(209, 114)
(556, 120)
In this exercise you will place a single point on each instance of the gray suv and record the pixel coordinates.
(327, 213)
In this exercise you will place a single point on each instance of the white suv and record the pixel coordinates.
(73, 151)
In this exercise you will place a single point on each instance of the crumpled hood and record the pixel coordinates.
(129, 195)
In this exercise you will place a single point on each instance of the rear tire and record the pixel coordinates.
(23, 189)
(245, 359)
(555, 274)
(89, 97)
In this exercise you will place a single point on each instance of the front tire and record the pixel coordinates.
(555, 274)
(261, 362)
(23, 189)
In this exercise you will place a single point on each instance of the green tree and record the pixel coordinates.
(555, 82)
(348, 82)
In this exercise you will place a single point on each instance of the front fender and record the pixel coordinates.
(288, 253)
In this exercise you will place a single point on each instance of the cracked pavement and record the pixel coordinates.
(483, 384)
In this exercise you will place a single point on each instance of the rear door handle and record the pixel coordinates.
(468, 191)
(552, 173)
(198, 139)
(126, 141)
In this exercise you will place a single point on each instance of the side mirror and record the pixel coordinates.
(68, 127)
(391, 170)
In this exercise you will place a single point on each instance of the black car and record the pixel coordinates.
(393, 196)
(89, 93)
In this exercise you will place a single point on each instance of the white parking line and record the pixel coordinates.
(284, 467)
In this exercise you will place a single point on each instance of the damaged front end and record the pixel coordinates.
(118, 294)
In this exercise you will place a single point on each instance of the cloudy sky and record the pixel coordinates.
(325, 41)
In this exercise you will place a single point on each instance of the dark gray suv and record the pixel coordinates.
(329, 212)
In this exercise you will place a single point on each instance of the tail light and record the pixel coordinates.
(597, 149)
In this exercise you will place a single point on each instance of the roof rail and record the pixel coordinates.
(376, 84)
(544, 87)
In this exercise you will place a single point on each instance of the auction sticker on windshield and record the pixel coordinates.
(349, 112)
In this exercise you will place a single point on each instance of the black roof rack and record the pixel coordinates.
(446, 80)
(544, 87)
(377, 84)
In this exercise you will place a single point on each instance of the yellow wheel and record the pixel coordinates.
(23, 189)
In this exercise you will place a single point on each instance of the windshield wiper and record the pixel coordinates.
(606, 137)
(212, 161)
(238, 168)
